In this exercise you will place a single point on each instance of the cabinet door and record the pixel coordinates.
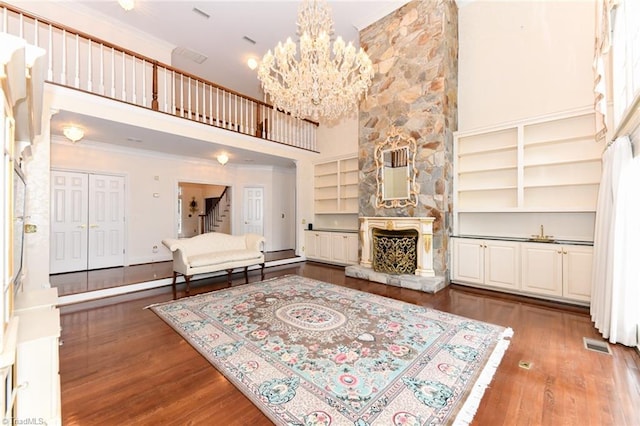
(338, 248)
(310, 242)
(323, 246)
(468, 261)
(542, 268)
(352, 249)
(576, 272)
(501, 264)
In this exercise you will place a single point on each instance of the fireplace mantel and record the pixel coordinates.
(424, 226)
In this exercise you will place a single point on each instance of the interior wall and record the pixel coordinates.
(521, 59)
(152, 190)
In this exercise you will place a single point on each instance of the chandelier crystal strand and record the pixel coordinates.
(316, 84)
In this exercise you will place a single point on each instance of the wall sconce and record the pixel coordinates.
(73, 133)
(126, 4)
(193, 205)
(223, 159)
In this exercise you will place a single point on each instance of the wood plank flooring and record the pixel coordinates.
(99, 279)
(121, 364)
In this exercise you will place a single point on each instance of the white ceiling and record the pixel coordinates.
(220, 39)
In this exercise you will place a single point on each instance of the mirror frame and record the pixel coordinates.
(396, 139)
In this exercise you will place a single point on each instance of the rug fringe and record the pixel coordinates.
(468, 411)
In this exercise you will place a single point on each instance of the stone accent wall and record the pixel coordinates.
(415, 55)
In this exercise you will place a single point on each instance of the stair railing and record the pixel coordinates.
(80, 61)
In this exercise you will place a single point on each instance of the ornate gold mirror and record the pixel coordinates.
(395, 171)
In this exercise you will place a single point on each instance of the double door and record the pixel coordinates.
(87, 221)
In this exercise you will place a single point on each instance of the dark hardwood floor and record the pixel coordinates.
(121, 364)
(99, 279)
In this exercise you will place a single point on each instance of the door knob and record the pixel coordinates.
(81, 226)
(94, 226)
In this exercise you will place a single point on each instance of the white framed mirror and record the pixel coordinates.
(395, 171)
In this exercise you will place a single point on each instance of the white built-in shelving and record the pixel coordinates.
(336, 186)
(546, 164)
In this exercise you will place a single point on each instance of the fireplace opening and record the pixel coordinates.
(395, 251)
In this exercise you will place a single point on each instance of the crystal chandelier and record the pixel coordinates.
(314, 84)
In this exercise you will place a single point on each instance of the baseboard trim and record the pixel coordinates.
(132, 288)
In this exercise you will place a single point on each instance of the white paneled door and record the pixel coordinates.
(87, 221)
(254, 210)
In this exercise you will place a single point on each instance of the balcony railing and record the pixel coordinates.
(83, 62)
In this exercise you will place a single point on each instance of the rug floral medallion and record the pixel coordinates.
(312, 353)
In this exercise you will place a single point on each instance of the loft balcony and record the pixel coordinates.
(85, 63)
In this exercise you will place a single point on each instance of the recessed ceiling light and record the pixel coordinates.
(252, 63)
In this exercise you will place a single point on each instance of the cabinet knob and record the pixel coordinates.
(559, 251)
(564, 252)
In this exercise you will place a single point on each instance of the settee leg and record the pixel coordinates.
(187, 279)
(173, 284)
(246, 275)
(262, 271)
(229, 271)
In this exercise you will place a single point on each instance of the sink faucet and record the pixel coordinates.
(541, 236)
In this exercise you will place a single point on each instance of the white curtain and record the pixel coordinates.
(616, 267)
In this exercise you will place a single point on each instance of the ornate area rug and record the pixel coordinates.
(312, 353)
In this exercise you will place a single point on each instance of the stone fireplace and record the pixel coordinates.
(424, 277)
(415, 57)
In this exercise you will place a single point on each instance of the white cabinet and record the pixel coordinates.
(332, 247)
(486, 262)
(37, 366)
(557, 270)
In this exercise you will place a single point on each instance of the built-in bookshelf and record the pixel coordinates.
(336, 186)
(549, 164)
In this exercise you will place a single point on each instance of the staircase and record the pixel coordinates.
(217, 217)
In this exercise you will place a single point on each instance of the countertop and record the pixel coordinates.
(525, 240)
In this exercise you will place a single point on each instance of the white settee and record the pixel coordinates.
(213, 252)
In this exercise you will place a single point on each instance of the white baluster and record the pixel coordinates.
(164, 92)
(77, 80)
(224, 112)
(113, 73)
(181, 95)
(90, 68)
(189, 97)
(21, 25)
(36, 38)
(173, 91)
(50, 70)
(235, 118)
(144, 83)
(134, 82)
(101, 68)
(211, 105)
(241, 120)
(253, 122)
(5, 20)
(217, 106)
(197, 102)
(63, 74)
(124, 77)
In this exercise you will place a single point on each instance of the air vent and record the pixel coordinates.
(250, 40)
(190, 54)
(201, 13)
(597, 346)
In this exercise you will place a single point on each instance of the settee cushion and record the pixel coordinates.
(219, 257)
